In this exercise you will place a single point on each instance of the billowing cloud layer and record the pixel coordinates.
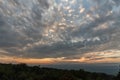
(59, 28)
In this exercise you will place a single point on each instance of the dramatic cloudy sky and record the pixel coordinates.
(60, 31)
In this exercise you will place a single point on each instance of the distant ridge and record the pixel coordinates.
(25, 72)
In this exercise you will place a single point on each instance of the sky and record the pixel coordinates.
(60, 31)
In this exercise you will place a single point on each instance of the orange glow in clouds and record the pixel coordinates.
(112, 56)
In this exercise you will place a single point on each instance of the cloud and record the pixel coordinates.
(51, 29)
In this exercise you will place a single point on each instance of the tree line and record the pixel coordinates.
(25, 72)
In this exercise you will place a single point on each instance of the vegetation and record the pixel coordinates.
(24, 72)
(118, 76)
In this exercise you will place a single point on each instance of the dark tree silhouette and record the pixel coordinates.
(118, 76)
(24, 72)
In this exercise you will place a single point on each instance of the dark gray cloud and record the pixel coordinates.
(58, 28)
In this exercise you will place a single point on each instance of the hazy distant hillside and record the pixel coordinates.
(24, 72)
